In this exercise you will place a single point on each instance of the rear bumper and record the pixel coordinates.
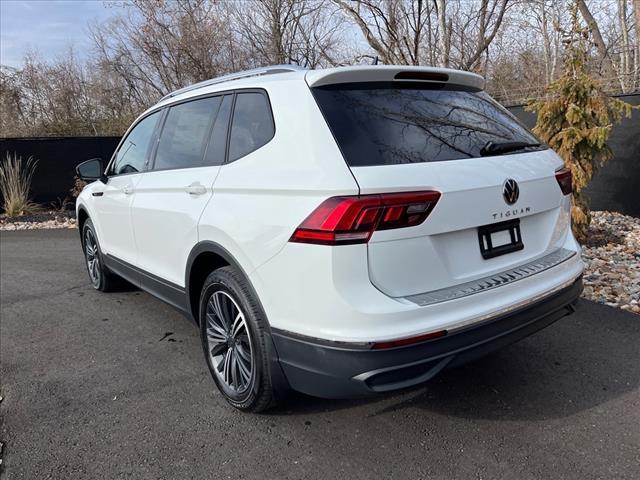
(337, 371)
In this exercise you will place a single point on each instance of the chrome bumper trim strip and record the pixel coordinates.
(493, 281)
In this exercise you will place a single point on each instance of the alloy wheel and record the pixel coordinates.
(229, 342)
(92, 255)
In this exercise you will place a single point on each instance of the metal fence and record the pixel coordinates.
(57, 159)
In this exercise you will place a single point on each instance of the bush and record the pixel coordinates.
(15, 183)
(576, 119)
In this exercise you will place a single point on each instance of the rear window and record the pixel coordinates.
(252, 124)
(385, 124)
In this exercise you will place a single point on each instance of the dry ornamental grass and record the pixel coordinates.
(15, 183)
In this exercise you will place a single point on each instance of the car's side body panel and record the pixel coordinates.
(259, 199)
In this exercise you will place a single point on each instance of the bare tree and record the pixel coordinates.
(161, 46)
(403, 33)
(625, 54)
(636, 16)
(302, 32)
(63, 97)
(597, 39)
(394, 30)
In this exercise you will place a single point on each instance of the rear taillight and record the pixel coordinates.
(565, 180)
(349, 220)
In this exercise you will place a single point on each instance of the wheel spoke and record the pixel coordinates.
(215, 325)
(228, 311)
(216, 337)
(243, 354)
(244, 370)
(234, 370)
(218, 349)
(217, 309)
(238, 324)
(227, 367)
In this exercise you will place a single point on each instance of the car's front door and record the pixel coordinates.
(172, 195)
(113, 201)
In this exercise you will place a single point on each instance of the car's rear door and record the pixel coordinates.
(173, 193)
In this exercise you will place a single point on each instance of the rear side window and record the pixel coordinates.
(252, 124)
(385, 124)
(133, 151)
(185, 134)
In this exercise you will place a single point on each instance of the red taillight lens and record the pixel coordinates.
(349, 220)
(565, 180)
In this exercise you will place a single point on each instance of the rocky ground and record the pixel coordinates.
(39, 221)
(611, 255)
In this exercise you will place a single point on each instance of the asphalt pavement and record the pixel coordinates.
(115, 386)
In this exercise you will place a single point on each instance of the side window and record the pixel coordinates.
(185, 134)
(252, 124)
(218, 141)
(134, 150)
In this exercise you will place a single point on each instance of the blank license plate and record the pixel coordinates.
(500, 238)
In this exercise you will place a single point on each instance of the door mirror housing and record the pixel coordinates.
(91, 170)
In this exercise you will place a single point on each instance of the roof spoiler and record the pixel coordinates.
(390, 73)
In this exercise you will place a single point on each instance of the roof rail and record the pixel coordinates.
(268, 70)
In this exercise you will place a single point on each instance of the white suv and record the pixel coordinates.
(339, 232)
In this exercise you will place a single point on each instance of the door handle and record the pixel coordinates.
(196, 189)
(128, 189)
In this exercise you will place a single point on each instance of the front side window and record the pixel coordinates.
(185, 134)
(134, 150)
(252, 124)
(386, 124)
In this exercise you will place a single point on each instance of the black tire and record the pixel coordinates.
(100, 276)
(236, 300)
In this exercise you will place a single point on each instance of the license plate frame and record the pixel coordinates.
(486, 238)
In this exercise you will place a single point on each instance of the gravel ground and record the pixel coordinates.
(39, 221)
(611, 255)
(612, 258)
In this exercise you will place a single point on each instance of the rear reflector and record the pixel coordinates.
(565, 180)
(408, 341)
(350, 220)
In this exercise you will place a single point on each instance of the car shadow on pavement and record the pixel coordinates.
(578, 363)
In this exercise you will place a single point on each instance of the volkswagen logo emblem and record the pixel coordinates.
(510, 191)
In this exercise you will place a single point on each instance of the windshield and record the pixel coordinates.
(384, 124)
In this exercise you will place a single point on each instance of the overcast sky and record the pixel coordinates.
(47, 27)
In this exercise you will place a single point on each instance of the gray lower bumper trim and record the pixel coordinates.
(493, 281)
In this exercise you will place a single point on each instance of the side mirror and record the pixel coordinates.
(91, 170)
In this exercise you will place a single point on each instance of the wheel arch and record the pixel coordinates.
(82, 217)
(204, 258)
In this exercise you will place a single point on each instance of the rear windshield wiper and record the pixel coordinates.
(497, 148)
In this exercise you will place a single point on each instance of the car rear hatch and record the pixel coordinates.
(414, 130)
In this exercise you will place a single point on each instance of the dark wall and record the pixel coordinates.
(57, 160)
(616, 186)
